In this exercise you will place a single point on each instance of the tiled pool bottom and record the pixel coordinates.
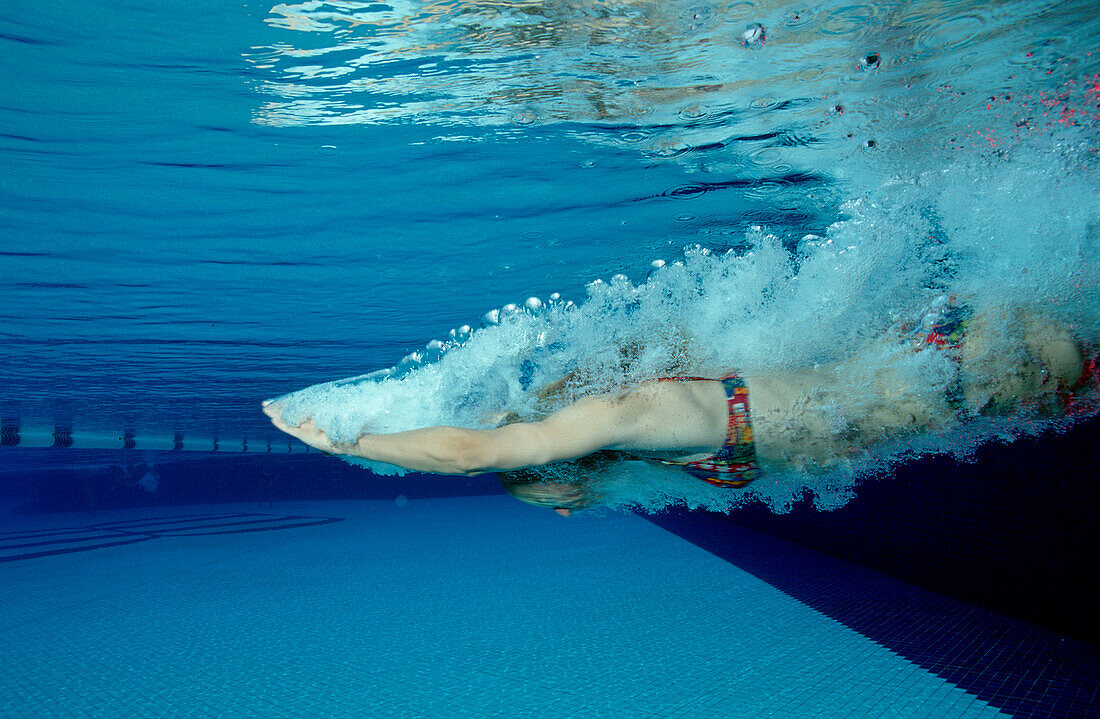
(457, 607)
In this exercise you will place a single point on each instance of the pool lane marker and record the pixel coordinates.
(13, 434)
(33, 544)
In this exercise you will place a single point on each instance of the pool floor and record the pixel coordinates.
(455, 607)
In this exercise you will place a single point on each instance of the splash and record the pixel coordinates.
(976, 229)
(961, 177)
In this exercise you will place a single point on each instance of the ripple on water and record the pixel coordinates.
(693, 112)
(811, 73)
(699, 16)
(739, 11)
(844, 20)
(765, 103)
(524, 118)
(685, 192)
(763, 189)
(953, 32)
(765, 157)
(667, 148)
(634, 137)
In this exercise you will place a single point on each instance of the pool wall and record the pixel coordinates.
(1014, 531)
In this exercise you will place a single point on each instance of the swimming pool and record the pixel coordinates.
(206, 206)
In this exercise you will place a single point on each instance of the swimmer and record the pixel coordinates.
(726, 430)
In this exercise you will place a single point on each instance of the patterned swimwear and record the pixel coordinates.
(943, 327)
(734, 465)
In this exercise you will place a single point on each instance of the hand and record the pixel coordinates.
(307, 431)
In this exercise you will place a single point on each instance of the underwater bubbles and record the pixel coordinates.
(410, 362)
(754, 36)
(460, 335)
(870, 61)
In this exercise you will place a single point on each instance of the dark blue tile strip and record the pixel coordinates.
(1015, 531)
(1025, 670)
(18, 546)
(46, 480)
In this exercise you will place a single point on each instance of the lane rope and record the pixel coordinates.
(14, 434)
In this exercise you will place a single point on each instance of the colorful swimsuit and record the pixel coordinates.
(734, 465)
(943, 327)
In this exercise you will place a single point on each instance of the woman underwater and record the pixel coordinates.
(725, 429)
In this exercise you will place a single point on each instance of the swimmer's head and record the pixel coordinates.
(563, 497)
(564, 487)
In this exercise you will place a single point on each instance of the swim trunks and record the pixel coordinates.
(943, 327)
(734, 465)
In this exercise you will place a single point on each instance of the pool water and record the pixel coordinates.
(205, 206)
(435, 609)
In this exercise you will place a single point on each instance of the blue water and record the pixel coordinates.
(206, 205)
(203, 207)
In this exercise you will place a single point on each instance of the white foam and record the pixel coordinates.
(1004, 230)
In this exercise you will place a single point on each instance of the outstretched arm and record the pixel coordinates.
(582, 428)
(666, 416)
